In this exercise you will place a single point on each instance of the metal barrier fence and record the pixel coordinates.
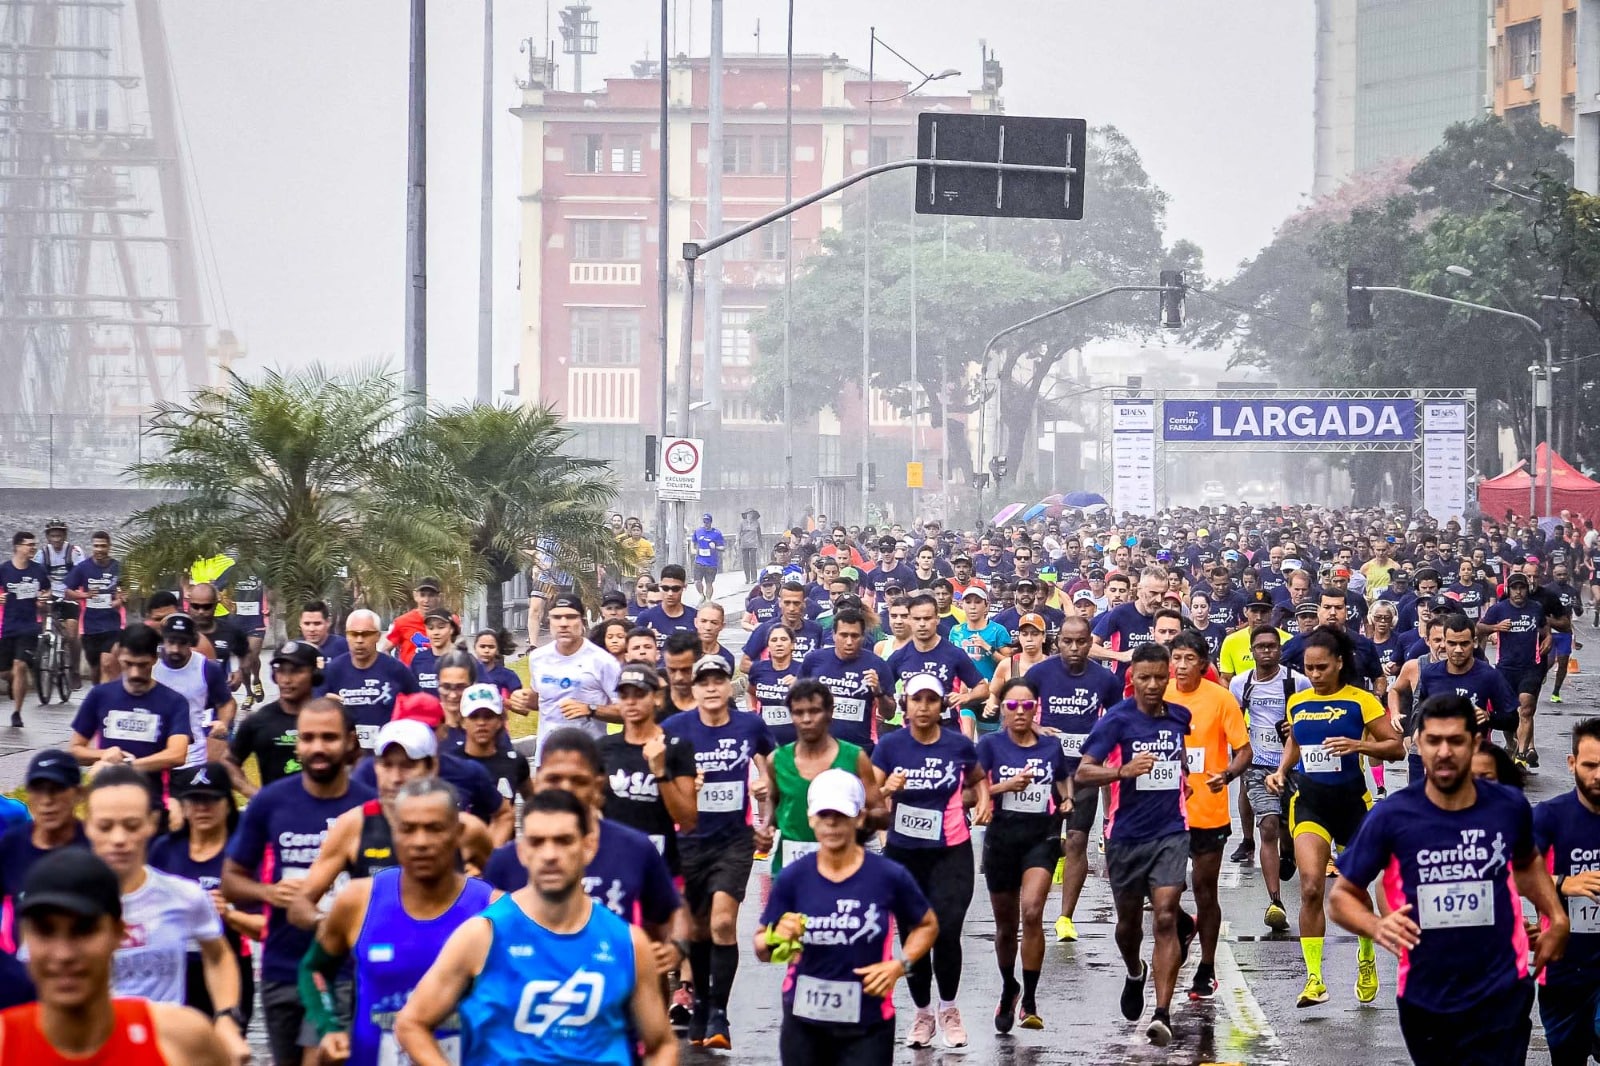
(71, 451)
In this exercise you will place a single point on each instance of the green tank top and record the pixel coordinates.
(795, 838)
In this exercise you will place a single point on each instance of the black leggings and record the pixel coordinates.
(802, 1043)
(199, 997)
(946, 877)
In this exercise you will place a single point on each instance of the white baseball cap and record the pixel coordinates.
(836, 790)
(482, 697)
(976, 590)
(417, 739)
(924, 683)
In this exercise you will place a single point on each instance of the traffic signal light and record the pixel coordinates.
(872, 476)
(1172, 299)
(650, 448)
(980, 481)
(1357, 301)
(997, 466)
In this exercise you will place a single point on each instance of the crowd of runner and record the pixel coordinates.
(911, 708)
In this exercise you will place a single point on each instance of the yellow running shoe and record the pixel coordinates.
(1276, 918)
(1313, 993)
(1367, 980)
(1066, 932)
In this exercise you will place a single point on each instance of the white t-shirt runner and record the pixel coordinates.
(589, 675)
(163, 916)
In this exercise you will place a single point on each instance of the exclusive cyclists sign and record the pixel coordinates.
(682, 460)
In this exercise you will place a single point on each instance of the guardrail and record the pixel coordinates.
(71, 451)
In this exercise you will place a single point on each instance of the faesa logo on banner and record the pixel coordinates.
(1289, 420)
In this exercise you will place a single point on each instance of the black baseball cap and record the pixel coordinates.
(1441, 602)
(1259, 598)
(711, 664)
(297, 653)
(570, 600)
(639, 675)
(208, 779)
(74, 880)
(55, 767)
(427, 584)
(180, 626)
(1517, 578)
(1025, 583)
(439, 614)
(614, 598)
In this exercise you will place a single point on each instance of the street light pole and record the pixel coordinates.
(417, 211)
(866, 286)
(788, 274)
(663, 268)
(486, 218)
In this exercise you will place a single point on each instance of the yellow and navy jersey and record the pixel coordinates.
(1314, 719)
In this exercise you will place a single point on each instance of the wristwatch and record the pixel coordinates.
(234, 1014)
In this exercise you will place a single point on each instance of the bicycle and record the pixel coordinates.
(50, 668)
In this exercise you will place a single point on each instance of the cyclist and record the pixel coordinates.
(60, 557)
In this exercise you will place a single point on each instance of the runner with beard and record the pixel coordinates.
(391, 927)
(202, 684)
(279, 836)
(545, 974)
(855, 677)
(134, 719)
(365, 683)
(1456, 856)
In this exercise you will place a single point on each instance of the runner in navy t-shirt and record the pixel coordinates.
(929, 653)
(858, 680)
(1566, 830)
(1521, 629)
(1137, 749)
(1123, 628)
(1455, 856)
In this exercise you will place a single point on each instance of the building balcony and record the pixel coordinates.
(606, 394)
(603, 273)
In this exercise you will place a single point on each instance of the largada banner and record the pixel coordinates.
(1347, 421)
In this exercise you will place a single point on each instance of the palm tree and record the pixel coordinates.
(298, 473)
(503, 470)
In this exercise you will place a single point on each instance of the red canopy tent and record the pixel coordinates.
(1571, 491)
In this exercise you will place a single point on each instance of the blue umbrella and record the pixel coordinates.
(1082, 499)
(1033, 512)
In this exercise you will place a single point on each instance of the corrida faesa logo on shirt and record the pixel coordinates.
(848, 923)
(1473, 859)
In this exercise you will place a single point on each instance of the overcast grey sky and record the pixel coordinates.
(296, 122)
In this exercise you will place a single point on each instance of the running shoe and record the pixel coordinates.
(1245, 852)
(1133, 994)
(257, 692)
(1066, 932)
(1367, 980)
(1005, 1013)
(922, 1029)
(1555, 697)
(1205, 982)
(952, 1031)
(719, 1035)
(248, 703)
(699, 1018)
(16, 719)
(1029, 1013)
(1159, 1031)
(1313, 993)
(1383, 792)
(1531, 757)
(1277, 918)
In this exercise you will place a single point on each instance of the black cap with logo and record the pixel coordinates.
(179, 627)
(53, 767)
(74, 880)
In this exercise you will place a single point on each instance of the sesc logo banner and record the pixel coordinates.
(1297, 420)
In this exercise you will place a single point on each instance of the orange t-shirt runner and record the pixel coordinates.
(1216, 729)
(132, 1041)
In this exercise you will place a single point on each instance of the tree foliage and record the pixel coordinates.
(972, 278)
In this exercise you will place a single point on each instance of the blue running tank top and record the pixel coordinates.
(556, 999)
(392, 952)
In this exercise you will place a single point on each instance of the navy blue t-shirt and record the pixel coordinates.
(927, 812)
(475, 785)
(100, 582)
(847, 929)
(763, 609)
(368, 693)
(22, 587)
(1124, 628)
(425, 668)
(1002, 758)
(139, 725)
(287, 823)
(18, 854)
(1454, 869)
(1485, 686)
(1072, 703)
(1010, 617)
(657, 619)
(628, 876)
(878, 579)
(722, 756)
(944, 660)
(1567, 834)
(807, 638)
(854, 706)
(1519, 646)
(1151, 805)
(769, 691)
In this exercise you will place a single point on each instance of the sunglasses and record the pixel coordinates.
(1021, 705)
(671, 588)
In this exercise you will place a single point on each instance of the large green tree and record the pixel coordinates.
(300, 474)
(972, 278)
(507, 474)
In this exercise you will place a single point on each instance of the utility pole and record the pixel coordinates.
(866, 285)
(417, 211)
(711, 368)
(486, 218)
(663, 272)
(788, 275)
